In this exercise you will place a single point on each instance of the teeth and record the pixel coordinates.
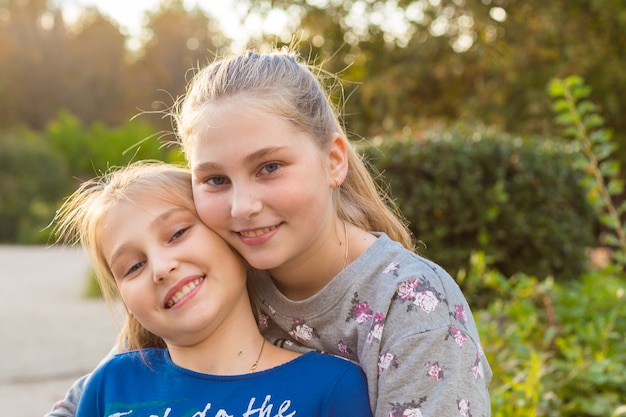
(256, 232)
(183, 292)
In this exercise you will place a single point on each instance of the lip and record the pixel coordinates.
(184, 290)
(259, 235)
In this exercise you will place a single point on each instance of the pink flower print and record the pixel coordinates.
(392, 268)
(435, 371)
(386, 361)
(378, 324)
(263, 320)
(343, 348)
(376, 332)
(407, 289)
(412, 412)
(459, 311)
(477, 369)
(301, 331)
(464, 407)
(272, 309)
(363, 312)
(379, 317)
(426, 300)
(412, 409)
(457, 334)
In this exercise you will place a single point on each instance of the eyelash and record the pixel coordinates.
(134, 268)
(264, 167)
(178, 233)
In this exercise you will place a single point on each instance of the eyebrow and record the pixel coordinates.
(254, 156)
(160, 219)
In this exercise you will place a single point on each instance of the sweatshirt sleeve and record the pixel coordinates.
(67, 406)
(432, 374)
(429, 361)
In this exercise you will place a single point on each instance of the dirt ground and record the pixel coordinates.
(49, 333)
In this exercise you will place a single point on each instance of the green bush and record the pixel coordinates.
(471, 188)
(556, 349)
(33, 178)
(92, 150)
(39, 169)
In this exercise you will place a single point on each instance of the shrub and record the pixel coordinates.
(556, 349)
(33, 178)
(468, 189)
(92, 150)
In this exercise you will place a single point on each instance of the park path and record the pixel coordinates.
(50, 334)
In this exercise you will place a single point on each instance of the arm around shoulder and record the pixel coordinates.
(67, 406)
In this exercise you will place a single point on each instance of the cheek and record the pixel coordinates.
(211, 210)
(134, 297)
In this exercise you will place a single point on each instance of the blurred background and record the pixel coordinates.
(449, 99)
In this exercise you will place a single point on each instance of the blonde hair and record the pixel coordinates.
(80, 218)
(278, 83)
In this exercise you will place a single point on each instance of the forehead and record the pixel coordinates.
(141, 209)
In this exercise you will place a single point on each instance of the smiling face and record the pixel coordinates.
(263, 186)
(178, 278)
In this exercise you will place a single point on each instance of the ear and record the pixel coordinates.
(338, 159)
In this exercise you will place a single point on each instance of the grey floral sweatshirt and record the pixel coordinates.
(403, 319)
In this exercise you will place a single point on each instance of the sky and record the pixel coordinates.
(129, 14)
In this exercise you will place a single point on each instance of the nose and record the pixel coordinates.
(163, 266)
(244, 203)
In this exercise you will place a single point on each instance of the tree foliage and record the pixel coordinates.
(487, 60)
(404, 62)
(87, 68)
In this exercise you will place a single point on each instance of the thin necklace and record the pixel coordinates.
(254, 365)
(345, 238)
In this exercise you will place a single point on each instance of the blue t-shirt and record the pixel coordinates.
(147, 383)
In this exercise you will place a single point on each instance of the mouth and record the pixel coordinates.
(256, 232)
(180, 294)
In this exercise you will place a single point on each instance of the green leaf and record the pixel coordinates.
(615, 186)
(593, 121)
(609, 168)
(561, 106)
(600, 136)
(556, 88)
(580, 91)
(608, 221)
(586, 107)
(610, 239)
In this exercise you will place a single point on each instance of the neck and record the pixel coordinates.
(232, 351)
(307, 274)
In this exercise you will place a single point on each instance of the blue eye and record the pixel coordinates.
(271, 167)
(217, 181)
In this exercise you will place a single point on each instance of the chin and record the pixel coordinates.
(263, 263)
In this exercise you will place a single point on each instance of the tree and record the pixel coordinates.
(488, 60)
(97, 85)
(33, 57)
(179, 40)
